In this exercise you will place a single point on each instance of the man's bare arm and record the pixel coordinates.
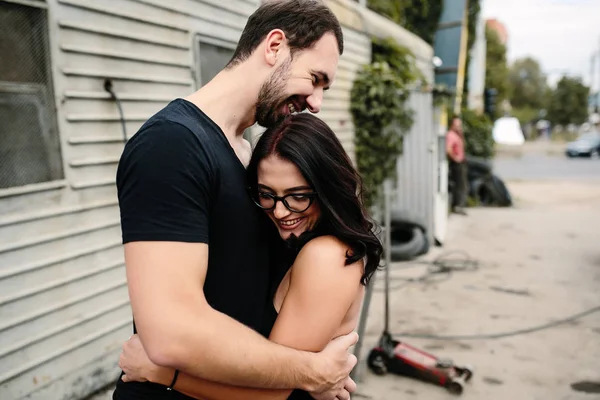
(319, 276)
(179, 329)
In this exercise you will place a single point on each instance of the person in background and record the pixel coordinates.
(455, 149)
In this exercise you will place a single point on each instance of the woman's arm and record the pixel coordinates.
(322, 289)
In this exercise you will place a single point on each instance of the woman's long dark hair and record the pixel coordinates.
(311, 145)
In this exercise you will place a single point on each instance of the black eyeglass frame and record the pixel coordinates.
(254, 194)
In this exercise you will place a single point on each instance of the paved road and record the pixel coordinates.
(540, 166)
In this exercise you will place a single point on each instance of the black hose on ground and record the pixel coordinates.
(503, 334)
(438, 270)
(444, 266)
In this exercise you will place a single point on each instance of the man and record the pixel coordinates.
(455, 148)
(196, 254)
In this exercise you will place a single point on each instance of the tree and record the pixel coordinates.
(496, 69)
(569, 101)
(391, 9)
(527, 84)
(420, 17)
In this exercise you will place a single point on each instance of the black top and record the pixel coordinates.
(180, 180)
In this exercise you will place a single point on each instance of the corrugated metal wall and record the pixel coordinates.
(416, 168)
(64, 309)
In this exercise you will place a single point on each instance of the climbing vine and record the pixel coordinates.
(420, 17)
(380, 113)
(477, 129)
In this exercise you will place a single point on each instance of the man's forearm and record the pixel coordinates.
(218, 348)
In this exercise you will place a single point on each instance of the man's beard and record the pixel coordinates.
(270, 99)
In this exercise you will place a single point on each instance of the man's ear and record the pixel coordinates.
(275, 45)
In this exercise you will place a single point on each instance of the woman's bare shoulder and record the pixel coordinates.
(324, 252)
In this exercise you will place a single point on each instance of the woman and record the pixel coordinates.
(303, 179)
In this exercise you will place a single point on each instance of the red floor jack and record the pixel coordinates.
(403, 359)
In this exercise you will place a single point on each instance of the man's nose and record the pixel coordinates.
(314, 101)
(280, 210)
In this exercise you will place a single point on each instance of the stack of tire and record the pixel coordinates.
(485, 187)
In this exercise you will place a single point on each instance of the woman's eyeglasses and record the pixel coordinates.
(295, 202)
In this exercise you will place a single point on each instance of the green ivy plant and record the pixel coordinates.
(380, 114)
(420, 17)
(477, 128)
(400, 59)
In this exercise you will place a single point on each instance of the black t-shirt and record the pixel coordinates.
(179, 179)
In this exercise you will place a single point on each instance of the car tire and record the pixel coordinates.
(409, 236)
(503, 197)
(493, 192)
(403, 250)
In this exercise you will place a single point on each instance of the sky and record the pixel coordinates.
(561, 34)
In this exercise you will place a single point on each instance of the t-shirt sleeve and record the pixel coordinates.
(165, 185)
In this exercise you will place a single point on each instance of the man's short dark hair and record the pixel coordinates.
(304, 22)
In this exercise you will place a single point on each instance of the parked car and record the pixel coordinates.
(587, 145)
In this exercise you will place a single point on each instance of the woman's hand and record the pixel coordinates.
(137, 366)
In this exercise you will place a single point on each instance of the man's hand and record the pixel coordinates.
(334, 365)
(137, 366)
(340, 394)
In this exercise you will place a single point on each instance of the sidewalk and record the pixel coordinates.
(539, 262)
